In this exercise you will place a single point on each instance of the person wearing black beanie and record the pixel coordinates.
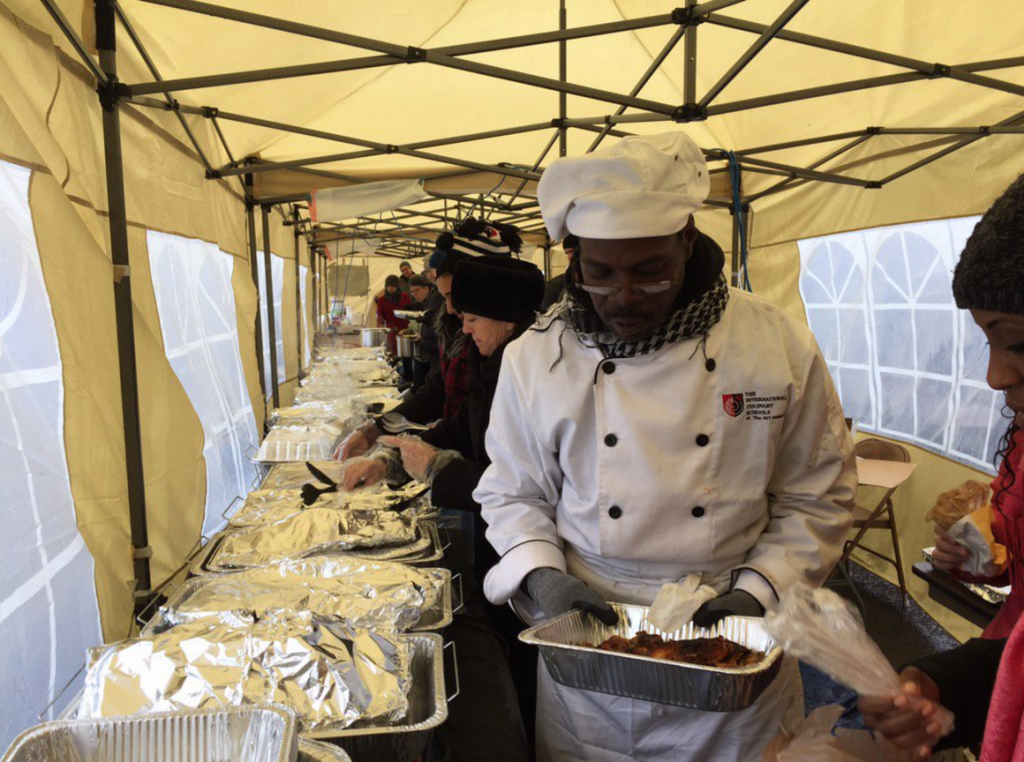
(980, 681)
(498, 297)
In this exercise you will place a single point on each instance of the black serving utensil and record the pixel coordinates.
(310, 492)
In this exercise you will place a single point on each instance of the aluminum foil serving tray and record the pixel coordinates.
(315, 751)
(428, 707)
(436, 617)
(431, 554)
(640, 677)
(994, 595)
(228, 734)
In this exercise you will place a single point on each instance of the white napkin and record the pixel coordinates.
(677, 602)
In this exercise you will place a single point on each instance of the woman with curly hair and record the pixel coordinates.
(981, 682)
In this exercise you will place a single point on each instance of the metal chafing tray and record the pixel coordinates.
(428, 708)
(710, 689)
(436, 617)
(315, 751)
(432, 554)
(227, 734)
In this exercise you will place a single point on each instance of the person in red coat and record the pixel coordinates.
(392, 299)
(981, 681)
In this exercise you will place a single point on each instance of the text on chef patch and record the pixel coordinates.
(752, 406)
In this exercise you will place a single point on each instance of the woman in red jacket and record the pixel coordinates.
(981, 681)
(392, 299)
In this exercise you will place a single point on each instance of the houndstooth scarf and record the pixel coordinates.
(697, 318)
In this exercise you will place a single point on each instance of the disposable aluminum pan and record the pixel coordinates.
(710, 689)
(228, 734)
(315, 751)
(428, 708)
(436, 617)
(427, 553)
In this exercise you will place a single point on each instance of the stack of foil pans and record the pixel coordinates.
(572, 663)
(301, 443)
(382, 595)
(316, 751)
(229, 734)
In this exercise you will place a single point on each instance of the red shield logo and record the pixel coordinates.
(733, 404)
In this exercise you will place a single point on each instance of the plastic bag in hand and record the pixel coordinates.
(816, 739)
(819, 627)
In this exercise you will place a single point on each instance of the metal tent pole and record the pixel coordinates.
(563, 135)
(268, 277)
(250, 217)
(298, 298)
(315, 289)
(106, 34)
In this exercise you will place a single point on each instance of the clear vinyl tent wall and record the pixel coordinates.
(719, 69)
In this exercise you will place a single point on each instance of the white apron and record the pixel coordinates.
(575, 725)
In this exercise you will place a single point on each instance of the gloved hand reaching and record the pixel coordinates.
(733, 603)
(556, 593)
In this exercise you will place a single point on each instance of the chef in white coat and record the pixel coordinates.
(655, 424)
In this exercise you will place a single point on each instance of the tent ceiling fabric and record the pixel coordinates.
(403, 104)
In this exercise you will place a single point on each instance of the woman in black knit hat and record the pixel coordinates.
(981, 681)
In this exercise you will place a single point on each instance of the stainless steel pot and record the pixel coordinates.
(373, 337)
(407, 347)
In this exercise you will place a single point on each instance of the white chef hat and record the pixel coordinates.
(641, 187)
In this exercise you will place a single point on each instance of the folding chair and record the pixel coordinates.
(882, 516)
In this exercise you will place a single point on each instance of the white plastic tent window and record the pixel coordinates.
(906, 362)
(277, 272)
(196, 304)
(306, 333)
(48, 609)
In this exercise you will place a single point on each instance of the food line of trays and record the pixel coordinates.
(313, 616)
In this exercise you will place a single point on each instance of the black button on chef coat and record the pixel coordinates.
(698, 512)
(611, 440)
(702, 440)
(608, 367)
(710, 365)
(615, 511)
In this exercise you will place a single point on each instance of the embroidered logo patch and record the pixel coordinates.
(752, 406)
(733, 404)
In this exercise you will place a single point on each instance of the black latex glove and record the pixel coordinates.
(733, 603)
(556, 593)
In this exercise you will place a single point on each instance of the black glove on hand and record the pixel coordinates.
(733, 603)
(556, 593)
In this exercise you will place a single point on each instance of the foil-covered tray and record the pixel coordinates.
(991, 594)
(407, 740)
(318, 531)
(227, 734)
(272, 505)
(329, 673)
(203, 564)
(372, 595)
(561, 642)
(294, 475)
(317, 751)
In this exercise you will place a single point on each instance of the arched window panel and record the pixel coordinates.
(47, 576)
(832, 285)
(907, 363)
(196, 305)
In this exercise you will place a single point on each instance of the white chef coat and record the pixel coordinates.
(734, 461)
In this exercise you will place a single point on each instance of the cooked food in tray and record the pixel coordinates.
(705, 652)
